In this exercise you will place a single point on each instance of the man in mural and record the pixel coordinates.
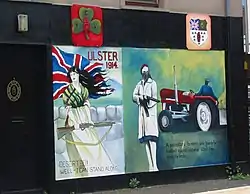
(207, 90)
(144, 95)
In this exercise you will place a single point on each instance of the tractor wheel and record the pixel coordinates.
(205, 114)
(165, 120)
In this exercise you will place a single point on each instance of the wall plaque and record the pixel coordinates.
(198, 32)
(14, 90)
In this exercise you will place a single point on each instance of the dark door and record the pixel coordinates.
(22, 65)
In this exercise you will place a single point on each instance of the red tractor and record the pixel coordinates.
(177, 104)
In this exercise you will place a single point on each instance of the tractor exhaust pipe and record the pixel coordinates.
(175, 87)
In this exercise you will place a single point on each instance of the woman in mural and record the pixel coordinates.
(144, 94)
(83, 143)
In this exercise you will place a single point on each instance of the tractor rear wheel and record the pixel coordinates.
(165, 120)
(205, 114)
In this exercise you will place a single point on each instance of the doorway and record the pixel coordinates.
(23, 91)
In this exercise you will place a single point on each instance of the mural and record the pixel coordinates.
(129, 110)
(88, 112)
(180, 102)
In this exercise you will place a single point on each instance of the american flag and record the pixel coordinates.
(194, 24)
(63, 61)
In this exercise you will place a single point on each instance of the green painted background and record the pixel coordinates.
(191, 69)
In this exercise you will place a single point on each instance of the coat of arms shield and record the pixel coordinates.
(198, 32)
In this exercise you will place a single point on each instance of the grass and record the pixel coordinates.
(236, 173)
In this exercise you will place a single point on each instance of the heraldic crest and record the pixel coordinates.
(198, 31)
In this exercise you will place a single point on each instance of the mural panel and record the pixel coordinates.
(88, 112)
(179, 99)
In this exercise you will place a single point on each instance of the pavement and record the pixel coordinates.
(221, 186)
(237, 190)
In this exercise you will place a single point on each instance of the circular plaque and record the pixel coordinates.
(14, 90)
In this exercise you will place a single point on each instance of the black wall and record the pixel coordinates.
(238, 132)
(50, 24)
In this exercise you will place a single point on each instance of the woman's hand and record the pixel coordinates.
(84, 126)
(67, 108)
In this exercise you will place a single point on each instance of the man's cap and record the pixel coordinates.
(207, 80)
(144, 66)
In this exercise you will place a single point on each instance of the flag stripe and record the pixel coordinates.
(59, 77)
(90, 68)
(63, 61)
(59, 57)
(59, 91)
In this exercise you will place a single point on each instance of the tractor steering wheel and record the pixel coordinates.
(191, 91)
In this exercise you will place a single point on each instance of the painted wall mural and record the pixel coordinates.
(88, 112)
(129, 110)
(184, 92)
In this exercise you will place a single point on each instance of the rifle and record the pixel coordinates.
(153, 99)
(61, 131)
(144, 103)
